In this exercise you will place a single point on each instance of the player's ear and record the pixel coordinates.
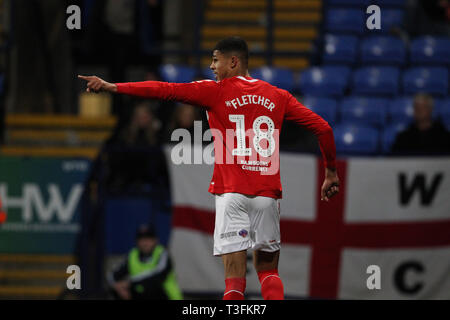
(234, 62)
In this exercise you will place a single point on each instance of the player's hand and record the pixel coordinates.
(96, 84)
(330, 185)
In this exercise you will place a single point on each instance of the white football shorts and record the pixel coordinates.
(246, 222)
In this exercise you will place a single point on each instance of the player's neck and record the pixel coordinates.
(237, 73)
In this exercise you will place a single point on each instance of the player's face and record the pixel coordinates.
(220, 65)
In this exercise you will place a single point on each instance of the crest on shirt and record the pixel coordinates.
(243, 233)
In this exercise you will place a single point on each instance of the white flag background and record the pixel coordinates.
(392, 213)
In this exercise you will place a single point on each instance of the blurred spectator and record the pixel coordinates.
(130, 163)
(424, 136)
(132, 160)
(41, 61)
(147, 271)
(135, 161)
(294, 138)
(122, 33)
(428, 17)
(183, 117)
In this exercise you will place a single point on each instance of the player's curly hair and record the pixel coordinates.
(234, 45)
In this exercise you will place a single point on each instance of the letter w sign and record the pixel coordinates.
(418, 184)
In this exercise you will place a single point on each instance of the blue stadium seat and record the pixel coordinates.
(148, 37)
(356, 139)
(207, 73)
(280, 77)
(353, 3)
(324, 107)
(375, 81)
(324, 81)
(389, 18)
(364, 110)
(177, 73)
(443, 110)
(383, 50)
(447, 125)
(401, 110)
(391, 3)
(430, 50)
(340, 49)
(345, 21)
(86, 12)
(433, 80)
(390, 133)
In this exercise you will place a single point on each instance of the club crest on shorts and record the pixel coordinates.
(243, 233)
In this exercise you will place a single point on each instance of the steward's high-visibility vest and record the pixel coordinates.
(136, 267)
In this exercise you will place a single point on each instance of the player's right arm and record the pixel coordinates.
(297, 112)
(200, 93)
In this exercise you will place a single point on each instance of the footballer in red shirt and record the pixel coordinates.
(245, 116)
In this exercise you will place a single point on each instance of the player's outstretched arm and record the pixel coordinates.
(96, 84)
(200, 93)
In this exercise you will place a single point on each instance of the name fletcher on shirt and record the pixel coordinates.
(250, 99)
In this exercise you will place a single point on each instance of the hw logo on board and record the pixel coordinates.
(38, 207)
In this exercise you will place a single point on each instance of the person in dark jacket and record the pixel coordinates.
(424, 136)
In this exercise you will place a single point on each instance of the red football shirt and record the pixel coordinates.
(245, 116)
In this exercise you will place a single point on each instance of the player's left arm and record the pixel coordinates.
(200, 93)
(297, 112)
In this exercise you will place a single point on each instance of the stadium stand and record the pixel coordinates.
(389, 134)
(364, 111)
(280, 77)
(443, 110)
(383, 50)
(390, 18)
(33, 276)
(324, 81)
(325, 107)
(340, 49)
(177, 73)
(356, 139)
(433, 80)
(430, 50)
(207, 73)
(295, 25)
(373, 80)
(344, 21)
(392, 3)
(400, 109)
(349, 3)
